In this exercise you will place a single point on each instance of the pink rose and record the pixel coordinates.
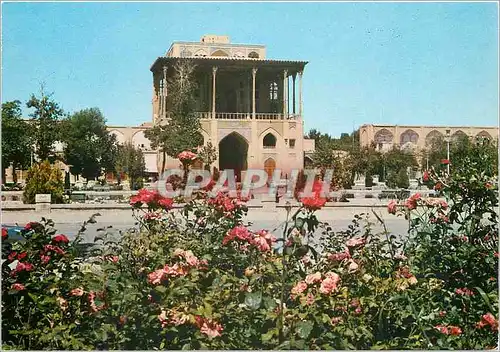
(211, 328)
(191, 259)
(442, 329)
(299, 288)
(336, 320)
(392, 207)
(411, 203)
(464, 292)
(312, 278)
(77, 292)
(329, 284)
(353, 266)
(338, 257)
(186, 156)
(355, 242)
(156, 276)
(163, 318)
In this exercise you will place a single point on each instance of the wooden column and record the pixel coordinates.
(285, 93)
(214, 74)
(254, 73)
(300, 93)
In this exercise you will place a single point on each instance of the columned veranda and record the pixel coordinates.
(229, 90)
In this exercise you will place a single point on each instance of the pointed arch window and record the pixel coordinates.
(269, 141)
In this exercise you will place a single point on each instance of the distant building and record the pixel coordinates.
(135, 136)
(250, 107)
(385, 137)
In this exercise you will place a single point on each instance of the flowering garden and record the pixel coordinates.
(199, 278)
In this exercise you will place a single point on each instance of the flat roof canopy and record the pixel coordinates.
(231, 63)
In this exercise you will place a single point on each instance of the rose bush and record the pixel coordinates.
(201, 278)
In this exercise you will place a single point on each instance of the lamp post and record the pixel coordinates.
(448, 150)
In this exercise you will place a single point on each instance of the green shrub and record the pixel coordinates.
(138, 183)
(398, 179)
(44, 178)
(199, 278)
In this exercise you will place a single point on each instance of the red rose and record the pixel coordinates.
(30, 225)
(55, 249)
(313, 203)
(425, 177)
(21, 267)
(12, 256)
(60, 238)
(17, 287)
(445, 161)
(438, 186)
(21, 255)
(165, 203)
(5, 233)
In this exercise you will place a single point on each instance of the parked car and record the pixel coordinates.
(14, 233)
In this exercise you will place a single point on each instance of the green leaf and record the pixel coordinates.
(299, 223)
(299, 344)
(269, 303)
(304, 328)
(161, 289)
(253, 300)
(269, 335)
(208, 309)
(485, 298)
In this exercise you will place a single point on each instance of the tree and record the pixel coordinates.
(89, 147)
(16, 138)
(208, 154)
(314, 134)
(398, 179)
(434, 153)
(182, 129)
(463, 150)
(44, 178)
(130, 161)
(45, 120)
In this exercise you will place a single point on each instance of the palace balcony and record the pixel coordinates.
(245, 116)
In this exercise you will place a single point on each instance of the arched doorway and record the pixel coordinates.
(269, 166)
(233, 151)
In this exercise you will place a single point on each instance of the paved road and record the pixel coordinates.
(70, 221)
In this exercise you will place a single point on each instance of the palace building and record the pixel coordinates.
(415, 138)
(250, 107)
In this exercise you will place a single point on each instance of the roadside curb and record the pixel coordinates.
(83, 207)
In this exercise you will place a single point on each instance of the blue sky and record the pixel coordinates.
(395, 63)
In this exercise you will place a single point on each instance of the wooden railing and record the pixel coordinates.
(247, 116)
